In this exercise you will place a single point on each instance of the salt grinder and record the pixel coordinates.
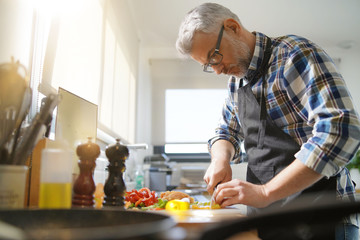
(114, 188)
(84, 186)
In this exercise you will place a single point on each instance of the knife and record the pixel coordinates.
(212, 202)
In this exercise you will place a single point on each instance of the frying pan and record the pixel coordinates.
(88, 224)
(303, 219)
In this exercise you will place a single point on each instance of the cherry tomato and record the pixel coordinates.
(144, 196)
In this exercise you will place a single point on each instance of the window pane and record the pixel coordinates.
(121, 94)
(191, 115)
(117, 105)
(106, 109)
(132, 109)
(78, 56)
(89, 61)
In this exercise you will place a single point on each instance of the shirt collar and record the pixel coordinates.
(258, 54)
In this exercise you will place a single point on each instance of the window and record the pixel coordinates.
(77, 62)
(191, 116)
(117, 110)
(77, 47)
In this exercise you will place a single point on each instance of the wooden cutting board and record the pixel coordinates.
(205, 216)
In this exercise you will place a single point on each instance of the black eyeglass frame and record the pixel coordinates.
(208, 66)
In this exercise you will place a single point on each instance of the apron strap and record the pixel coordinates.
(262, 71)
(241, 82)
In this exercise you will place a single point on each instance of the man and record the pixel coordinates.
(287, 104)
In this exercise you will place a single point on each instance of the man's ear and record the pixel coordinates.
(232, 25)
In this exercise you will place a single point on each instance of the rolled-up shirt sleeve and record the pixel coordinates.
(321, 98)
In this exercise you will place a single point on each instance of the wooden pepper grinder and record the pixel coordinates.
(84, 186)
(114, 188)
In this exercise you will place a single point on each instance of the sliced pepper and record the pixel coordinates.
(174, 205)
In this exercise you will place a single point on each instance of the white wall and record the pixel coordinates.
(120, 17)
(349, 68)
(15, 29)
(144, 107)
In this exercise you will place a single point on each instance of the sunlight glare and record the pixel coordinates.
(52, 8)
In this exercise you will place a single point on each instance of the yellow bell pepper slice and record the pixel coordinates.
(174, 205)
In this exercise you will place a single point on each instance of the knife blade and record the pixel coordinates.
(212, 202)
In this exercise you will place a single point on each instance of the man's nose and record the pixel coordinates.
(217, 69)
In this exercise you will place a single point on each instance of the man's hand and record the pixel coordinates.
(294, 178)
(218, 172)
(238, 191)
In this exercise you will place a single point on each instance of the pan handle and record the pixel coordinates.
(299, 220)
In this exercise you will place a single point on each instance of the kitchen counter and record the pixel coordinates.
(197, 221)
(191, 223)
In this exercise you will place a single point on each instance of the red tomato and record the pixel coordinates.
(144, 196)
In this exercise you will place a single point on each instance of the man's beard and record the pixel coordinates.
(243, 56)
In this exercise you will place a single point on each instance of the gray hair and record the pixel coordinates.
(207, 18)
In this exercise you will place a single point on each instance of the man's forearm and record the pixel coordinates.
(222, 150)
(294, 178)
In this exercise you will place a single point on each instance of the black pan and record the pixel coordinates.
(300, 220)
(87, 224)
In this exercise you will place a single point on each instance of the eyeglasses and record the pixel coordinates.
(216, 57)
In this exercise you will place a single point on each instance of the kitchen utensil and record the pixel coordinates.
(114, 188)
(13, 85)
(25, 106)
(84, 185)
(8, 120)
(36, 129)
(24, 110)
(212, 202)
(300, 220)
(87, 224)
(12, 186)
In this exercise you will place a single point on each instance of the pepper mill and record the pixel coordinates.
(84, 186)
(114, 188)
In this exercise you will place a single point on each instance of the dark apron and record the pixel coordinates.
(269, 149)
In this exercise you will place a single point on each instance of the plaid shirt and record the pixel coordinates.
(307, 98)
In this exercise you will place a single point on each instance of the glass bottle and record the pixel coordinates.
(139, 177)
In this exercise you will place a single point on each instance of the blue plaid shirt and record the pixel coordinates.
(307, 98)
